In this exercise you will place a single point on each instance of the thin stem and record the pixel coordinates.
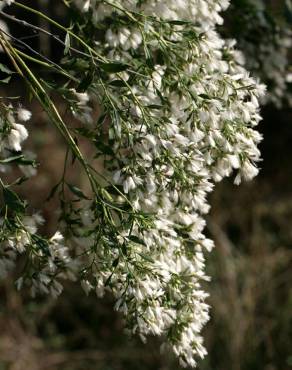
(47, 65)
(53, 112)
(58, 25)
(32, 26)
(2, 183)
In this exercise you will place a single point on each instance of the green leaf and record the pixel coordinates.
(155, 106)
(11, 159)
(76, 191)
(19, 159)
(205, 96)
(114, 67)
(101, 119)
(177, 22)
(5, 69)
(136, 240)
(20, 180)
(53, 191)
(118, 83)
(6, 80)
(115, 262)
(146, 258)
(107, 195)
(42, 244)
(12, 200)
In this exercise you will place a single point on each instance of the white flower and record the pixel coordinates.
(249, 171)
(16, 136)
(289, 77)
(129, 184)
(57, 237)
(86, 6)
(86, 286)
(23, 114)
(82, 97)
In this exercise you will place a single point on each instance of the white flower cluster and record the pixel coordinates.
(47, 279)
(48, 258)
(12, 136)
(204, 10)
(45, 256)
(188, 125)
(268, 57)
(80, 106)
(14, 244)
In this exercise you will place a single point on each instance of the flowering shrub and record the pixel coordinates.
(177, 112)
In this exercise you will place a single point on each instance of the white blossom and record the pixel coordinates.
(23, 114)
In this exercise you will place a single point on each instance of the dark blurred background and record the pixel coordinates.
(251, 266)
